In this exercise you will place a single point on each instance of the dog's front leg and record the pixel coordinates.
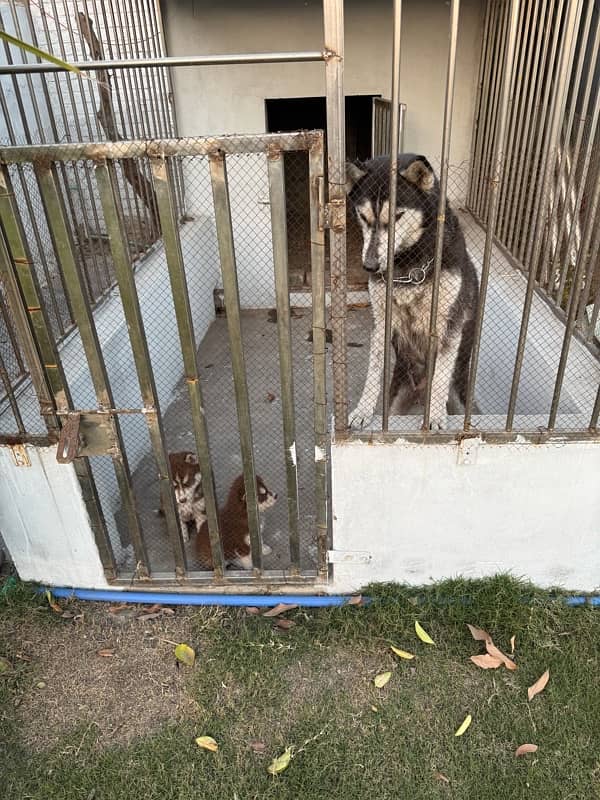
(442, 377)
(363, 413)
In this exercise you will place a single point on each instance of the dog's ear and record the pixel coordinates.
(191, 458)
(354, 173)
(420, 172)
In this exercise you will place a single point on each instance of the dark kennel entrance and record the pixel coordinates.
(309, 113)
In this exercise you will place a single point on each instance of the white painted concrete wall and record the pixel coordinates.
(44, 521)
(422, 516)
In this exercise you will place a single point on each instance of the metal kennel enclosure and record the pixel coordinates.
(130, 328)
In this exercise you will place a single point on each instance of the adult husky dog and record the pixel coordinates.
(367, 185)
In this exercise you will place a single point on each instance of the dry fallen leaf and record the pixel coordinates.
(494, 651)
(512, 644)
(479, 634)
(207, 743)
(401, 653)
(486, 661)
(381, 679)
(440, 777)
(422, 634)
(52, 602)
(356, 600)
(539, 685)
(464, 726)
(258, 747)
(285, 624)
(105, 653)
(169, 612)
(117, 609)
(278, 609)
(68, 615)
(185, 654)
(146, 617)
(281, 762)
(153, 609)
(526, 748)
(252, 610)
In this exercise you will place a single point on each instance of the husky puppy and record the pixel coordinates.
(233, 526)
(187, 487)
(415, 222)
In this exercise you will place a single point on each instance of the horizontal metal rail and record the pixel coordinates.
(159, 148)
(294, 57)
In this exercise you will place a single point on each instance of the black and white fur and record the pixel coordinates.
(367, 185)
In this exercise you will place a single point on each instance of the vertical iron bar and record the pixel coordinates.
(595, 413)
(394, 142)
(41, 354)
(480, 117)
(108, 189)
(593, 263)
(11, 396)
(220, 190)
(14, 344)
(493, 205)
(73, 280)
(185, 326)
(562, 81)
(333, 25)
(317, 260)
(284, 334)
(441, 218)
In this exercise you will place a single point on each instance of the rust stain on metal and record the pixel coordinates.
(31, 310)
(273, 152)
(330, 55)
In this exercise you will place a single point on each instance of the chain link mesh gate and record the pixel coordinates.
(197, 348)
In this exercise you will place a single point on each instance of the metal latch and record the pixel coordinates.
(86, 434)
(333, 215)
(348, 557)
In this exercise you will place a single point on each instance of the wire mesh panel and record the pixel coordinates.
(201, 366)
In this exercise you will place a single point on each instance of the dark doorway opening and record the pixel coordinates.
(309, 113)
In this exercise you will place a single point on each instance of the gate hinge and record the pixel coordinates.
(348, 557)
(86, 434)
(332, 215)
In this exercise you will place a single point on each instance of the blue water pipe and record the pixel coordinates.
(256, 600)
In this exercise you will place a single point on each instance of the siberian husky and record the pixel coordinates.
(187, 487)
(367, 185)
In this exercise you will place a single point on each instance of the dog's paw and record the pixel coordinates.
(360, 418)
(438, 420)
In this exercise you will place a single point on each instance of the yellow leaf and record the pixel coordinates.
(539, 685)
(52, 602)
(486, 661)
(208, 743)
(525, 748)
(185, 654)
(281, 762)
(381, 680)
(512, 645)
(464, 726)
(479, 634)
(423, 635)
(374, 709)
(401, 653)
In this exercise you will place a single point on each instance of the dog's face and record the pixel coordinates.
(187, 483)
(367, 186)
(266, 498)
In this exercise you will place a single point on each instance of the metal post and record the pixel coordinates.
(317, 261)
(220, 189)
(439, 239)
(275, 167)
(185, 327)
(333, 24)
(394, 144)
(595, 413)
(492, 206)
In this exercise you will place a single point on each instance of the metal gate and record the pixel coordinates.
(132, 382)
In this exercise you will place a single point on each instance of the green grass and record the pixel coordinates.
(311, 688)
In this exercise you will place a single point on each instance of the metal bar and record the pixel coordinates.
(14, 406)
(14, 344)
(142, 148)
(441, 218)
(562, 80)
(481, 102)
(595, 413)
(28, 79)
(317, 261)
(73, 281)
(594, 259)
(220, 190)
(492, 206)
(391, 240)
(40, 352)
(284, 334)
(333, 28)
(185, 326)
(108, 189)
(300, 56)
(572, 315)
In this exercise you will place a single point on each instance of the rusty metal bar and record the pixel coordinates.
(595, 413)
(275, 167)
(317, 261)
(220, 190)
(41, 354)
(185, 327)
(333, 25)
(492, 206)
(441, 218)
(393, 191)
(73, 281)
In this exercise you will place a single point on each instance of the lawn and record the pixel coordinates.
(95, 706)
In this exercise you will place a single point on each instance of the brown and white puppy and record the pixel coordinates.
(233, 526)
(187, 487)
